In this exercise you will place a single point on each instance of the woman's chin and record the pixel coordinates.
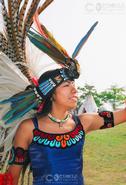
(73, 106)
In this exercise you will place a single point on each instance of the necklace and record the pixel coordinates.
(59, 121)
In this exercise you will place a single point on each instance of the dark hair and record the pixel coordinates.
(48, 102)
(48, 74)
(47, 106)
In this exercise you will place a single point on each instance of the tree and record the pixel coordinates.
(85, 91)
(114, 95)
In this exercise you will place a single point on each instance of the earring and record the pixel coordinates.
(52, 99)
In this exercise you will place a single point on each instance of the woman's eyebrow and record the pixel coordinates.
(68, 81)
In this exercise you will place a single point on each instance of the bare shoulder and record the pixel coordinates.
(26, 125)
(87, 117)
(24, 132)
(91, 121)
(87, 120)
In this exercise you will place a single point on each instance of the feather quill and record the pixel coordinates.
(83, 41)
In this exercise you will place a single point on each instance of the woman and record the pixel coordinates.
(53, 141)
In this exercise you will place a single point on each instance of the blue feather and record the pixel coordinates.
(20, 114)
(16, 107)
(14, 99)
(83, 40)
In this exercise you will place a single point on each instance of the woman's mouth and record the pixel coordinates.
(74, 98)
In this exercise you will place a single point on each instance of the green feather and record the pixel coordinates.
(20, 105)
(20, 114)
(47, 47)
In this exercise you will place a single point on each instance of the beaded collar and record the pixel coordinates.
(59, 121)
(58, 140)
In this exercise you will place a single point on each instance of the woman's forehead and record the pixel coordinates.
(67, 82)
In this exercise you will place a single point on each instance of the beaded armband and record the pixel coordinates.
(108, 119)
(18, 156)
(6, 179)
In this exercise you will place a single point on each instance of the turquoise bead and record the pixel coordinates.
(52, 143)
(36, 138)
(69, 143)
(58, 144)
(81, 132)
(73, 140)
(40, 141)
(77, 138)
(46, 142)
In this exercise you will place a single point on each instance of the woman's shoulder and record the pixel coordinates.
(87, 118)
(23, 134)
(26, 125)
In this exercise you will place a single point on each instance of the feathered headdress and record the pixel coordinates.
(21, 96)
(45, 41)
(15, 75)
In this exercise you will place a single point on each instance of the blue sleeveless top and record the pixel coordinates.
(56, 159)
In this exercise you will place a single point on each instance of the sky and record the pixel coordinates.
(103, 57)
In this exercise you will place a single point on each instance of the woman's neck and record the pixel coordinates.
(59, 113)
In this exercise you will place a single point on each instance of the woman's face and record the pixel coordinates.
(66, 95)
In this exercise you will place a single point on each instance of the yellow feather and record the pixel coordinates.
(42, 30)
(53, 40)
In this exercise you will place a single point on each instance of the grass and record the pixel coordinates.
(105, 157)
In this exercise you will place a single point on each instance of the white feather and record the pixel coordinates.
(9, 68)
(3, 109)
(38, 61)
(12, 81)
(8, 132)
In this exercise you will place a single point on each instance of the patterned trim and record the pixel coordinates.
(46, 86)
(108, 119)
(18, 156)
(58, 140)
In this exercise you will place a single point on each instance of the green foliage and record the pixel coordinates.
(115, 95)
(88, 90)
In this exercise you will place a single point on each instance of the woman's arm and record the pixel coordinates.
(21, 142)
(94, 121)
(15, 171)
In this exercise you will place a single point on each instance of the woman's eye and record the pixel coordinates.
(65, 85)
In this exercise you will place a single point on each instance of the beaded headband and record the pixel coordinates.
(50, 81)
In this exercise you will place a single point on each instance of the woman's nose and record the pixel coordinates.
(74, 89)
